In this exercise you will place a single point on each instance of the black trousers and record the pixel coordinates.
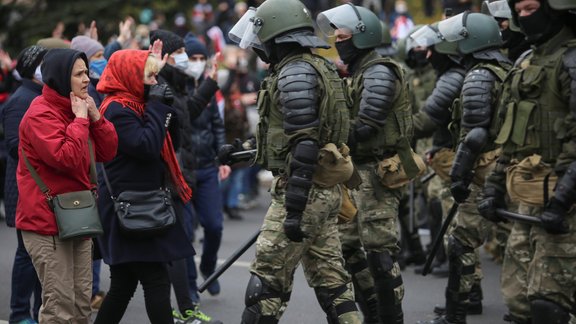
(124, 279)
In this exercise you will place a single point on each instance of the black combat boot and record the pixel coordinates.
(474, 306)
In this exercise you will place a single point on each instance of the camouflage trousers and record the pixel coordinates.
(320, 253)
(470, 230)
(374, 229)
(538, 265)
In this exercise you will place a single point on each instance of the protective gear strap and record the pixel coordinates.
(298, 84)
(302, 165)
(326, 297)
(467, 153)
(455, 252)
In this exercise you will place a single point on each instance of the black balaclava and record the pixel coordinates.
(348, 52)
(440, 62)
(57, 69)
(416, 59)
(541, 24)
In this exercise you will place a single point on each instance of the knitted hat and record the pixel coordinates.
(87, 45)
(29, 59)
(194, 46)
(170, 41)
(53, 42)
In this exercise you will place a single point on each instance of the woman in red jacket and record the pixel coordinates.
(54, 136)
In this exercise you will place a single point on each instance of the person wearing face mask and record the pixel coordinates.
(202, 136)
(379, 94)
(537, 139)
(54, 137)
(420, 77)
(303, 122)
(190, 104)
(24, 278)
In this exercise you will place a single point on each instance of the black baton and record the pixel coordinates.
(228, 262)
(439, 238)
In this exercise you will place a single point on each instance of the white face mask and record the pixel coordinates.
(180, 61)
(195, 69)
(38, 74)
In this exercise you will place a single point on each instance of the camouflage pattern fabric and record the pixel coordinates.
(375, 227)
(320, 254)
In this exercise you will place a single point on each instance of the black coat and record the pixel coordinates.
(12, 112)
(138, 166)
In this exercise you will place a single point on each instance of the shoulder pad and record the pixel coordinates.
(379, 71)
(297, 76)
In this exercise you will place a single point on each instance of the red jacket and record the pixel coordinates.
(56, 144)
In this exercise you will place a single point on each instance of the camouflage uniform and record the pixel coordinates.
(538, 270)
(303, 111)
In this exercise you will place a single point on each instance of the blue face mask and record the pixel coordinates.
(98, 66)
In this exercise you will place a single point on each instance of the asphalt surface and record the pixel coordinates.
(422, 293)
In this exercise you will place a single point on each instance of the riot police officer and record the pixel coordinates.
(537, 140)
(381, 128)
(303, 115)
(475, 121)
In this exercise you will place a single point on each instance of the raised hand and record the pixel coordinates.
(93, 30)
(214, 69)
(93, 112)
(79, 106)
(156, 51)
(125, 31)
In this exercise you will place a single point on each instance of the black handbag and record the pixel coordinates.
(143, 214)
(76, 212)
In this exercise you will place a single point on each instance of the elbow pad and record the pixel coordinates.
(447, 89)
(565, 192)
(467, 154)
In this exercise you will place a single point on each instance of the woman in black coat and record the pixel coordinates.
(145, 161)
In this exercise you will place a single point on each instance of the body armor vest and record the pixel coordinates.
(333, 113)
(496, 119)
(534, 107)
(395, 135)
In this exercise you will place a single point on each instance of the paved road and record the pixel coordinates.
(422, 293)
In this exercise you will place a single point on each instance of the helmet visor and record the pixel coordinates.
(342, 17)
(425, 37)
(454, 29)
(499, 9)
(245, 31)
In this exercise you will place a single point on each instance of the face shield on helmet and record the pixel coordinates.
(498, 9)
(454, 28)
(425, 37)
(245, 31)
(342, 17)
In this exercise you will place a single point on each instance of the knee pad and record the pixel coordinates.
(456, 249)
(326, 297)
(547, 312)
(380, 264)
(258, 290)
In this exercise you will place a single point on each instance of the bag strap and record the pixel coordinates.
(44, 187)
(107, 181)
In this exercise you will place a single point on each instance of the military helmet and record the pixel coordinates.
(467, 33)
(361, 22)
(279, 16)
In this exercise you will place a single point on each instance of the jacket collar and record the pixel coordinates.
(57, 102)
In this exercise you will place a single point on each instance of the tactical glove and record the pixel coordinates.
(554, 218)
(162, 93)
(292, 227)
(225, 152)
(493, 199)
(460, 191)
